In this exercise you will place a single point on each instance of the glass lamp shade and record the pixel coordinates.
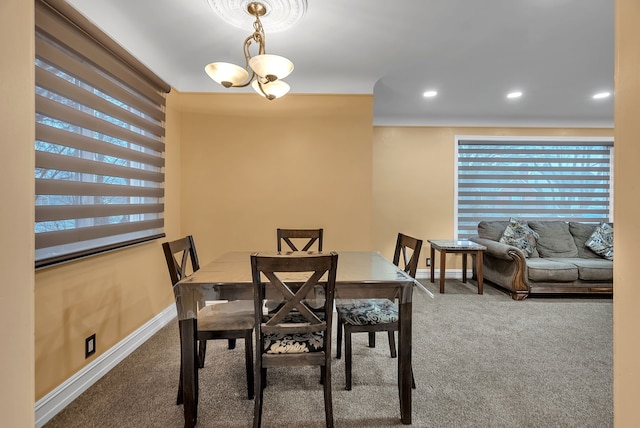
(273, 90)
(227, 74)
(271, 65)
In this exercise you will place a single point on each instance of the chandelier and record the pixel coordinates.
(263, 72)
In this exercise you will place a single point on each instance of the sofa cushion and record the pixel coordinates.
(544, 270)
(591, 269)
(555, 239)
(581, 233)
(491, 229)
(601, 241)
(519, 234)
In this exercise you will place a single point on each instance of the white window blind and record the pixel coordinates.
(99, 141)
(532, 179)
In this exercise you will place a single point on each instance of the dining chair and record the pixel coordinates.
(222, 320)
(296, 334)
(289, 235)
(304, 238)
(373, 315)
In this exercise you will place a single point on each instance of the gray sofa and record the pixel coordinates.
(560, 262)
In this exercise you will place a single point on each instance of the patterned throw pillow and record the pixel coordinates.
(520, 235)
(601, 241)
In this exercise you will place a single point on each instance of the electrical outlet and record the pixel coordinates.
(90, 346)
(428, 261)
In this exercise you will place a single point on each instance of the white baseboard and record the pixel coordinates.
(423, 274)
(55, 401)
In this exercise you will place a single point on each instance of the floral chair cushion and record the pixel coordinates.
(366, 311)
(294, 343)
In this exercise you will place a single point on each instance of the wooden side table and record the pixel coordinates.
(457, 247)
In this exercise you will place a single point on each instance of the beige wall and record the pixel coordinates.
(626, 316)
(16, 215)
(414, 180)
(250, 166)
(111, 295)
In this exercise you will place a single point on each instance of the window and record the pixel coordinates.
(535, 179)
(99, 141)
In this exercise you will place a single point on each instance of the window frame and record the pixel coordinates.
(563, 140)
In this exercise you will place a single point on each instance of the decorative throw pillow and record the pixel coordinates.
(520, 235)
(554, 239)
(601, 241)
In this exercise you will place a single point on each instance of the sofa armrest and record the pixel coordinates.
(507, 263)
(499, 250)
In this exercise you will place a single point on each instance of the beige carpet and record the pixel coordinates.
(479, 361)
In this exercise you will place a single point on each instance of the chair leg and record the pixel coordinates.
(232, 344)
(257, 403)
(248, 356)
(263, 374)
(179, 398)
(328, 401)
(202, 352)
(372, 339)
(196, 375)
(339, 339)
(392, 344)
(347, 359)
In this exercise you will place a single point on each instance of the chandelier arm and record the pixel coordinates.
(247, 57)
(259, 39)
(247, 50)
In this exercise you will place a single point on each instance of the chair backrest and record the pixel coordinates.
(409, 248)
(178, 254)
(312, 236)
(295, 277)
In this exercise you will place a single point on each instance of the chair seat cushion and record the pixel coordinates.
(234, 315)
(366, 311)
(292, 343)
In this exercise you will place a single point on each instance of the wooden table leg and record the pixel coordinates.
(404, 355)
(189, 372)
(479, 271)
(464, 267)
(433, 260)
(443, 268)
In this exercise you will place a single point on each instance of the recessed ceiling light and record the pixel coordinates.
(430, 94)
(514, 94)
(600, 95)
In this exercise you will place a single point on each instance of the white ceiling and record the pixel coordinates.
(557, 52)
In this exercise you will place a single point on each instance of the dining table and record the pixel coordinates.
(360, 274)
